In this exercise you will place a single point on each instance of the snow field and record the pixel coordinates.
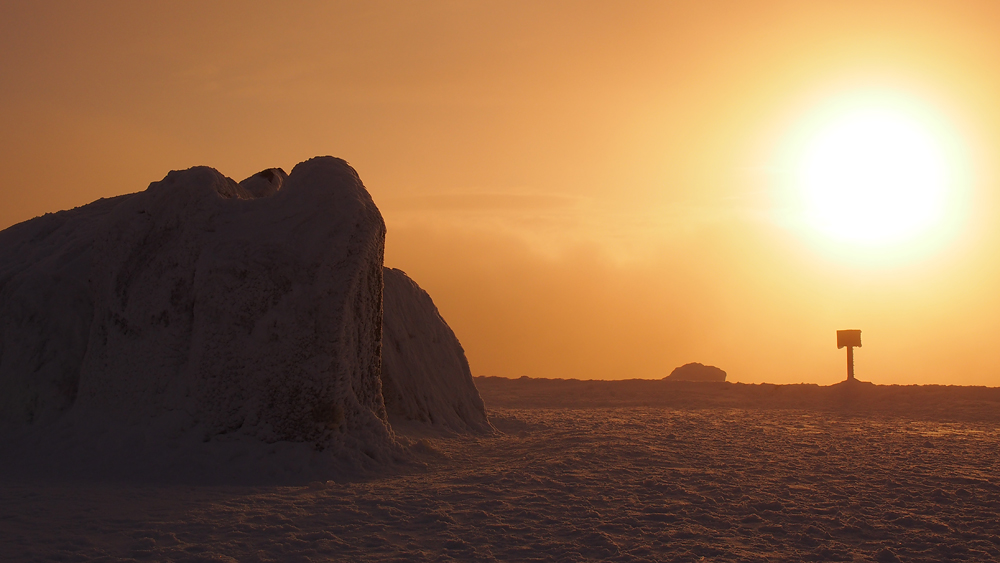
(625, 484)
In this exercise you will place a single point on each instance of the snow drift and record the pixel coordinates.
(425, 375)
(203, 311)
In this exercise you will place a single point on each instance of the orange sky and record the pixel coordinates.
(585, 190)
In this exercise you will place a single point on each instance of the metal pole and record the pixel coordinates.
(850, 363)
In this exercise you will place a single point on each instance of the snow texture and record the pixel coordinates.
(425, 376)
(197, 311)
(626, 484)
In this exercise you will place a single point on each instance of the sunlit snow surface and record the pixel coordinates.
(624, 484)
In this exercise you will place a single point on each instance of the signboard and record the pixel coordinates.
(848, 338)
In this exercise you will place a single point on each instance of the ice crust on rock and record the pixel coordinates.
(46, 308)
(425, 375)
(197, 308)
(261, 315)
(265, 183)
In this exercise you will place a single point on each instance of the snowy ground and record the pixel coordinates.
(629, 484)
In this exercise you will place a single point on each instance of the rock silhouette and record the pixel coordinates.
(696, 372)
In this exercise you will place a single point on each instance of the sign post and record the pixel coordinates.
(849, 338)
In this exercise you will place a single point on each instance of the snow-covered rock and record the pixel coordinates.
(214, 331)
(425, 375)
(265, 183)
(261, 315)
(196, 307)
(46, 310)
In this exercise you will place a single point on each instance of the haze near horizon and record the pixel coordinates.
(585, 191)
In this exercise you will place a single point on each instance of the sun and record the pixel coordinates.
(873, 176)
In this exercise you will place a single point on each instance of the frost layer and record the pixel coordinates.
(250, 309)
(425, 375)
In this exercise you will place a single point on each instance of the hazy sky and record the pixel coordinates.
(593, 190)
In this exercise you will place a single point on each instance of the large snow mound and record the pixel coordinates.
(425, 375)
(202, 307)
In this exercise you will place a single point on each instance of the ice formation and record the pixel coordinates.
(425, 375)
(697, 372)
(201, 310)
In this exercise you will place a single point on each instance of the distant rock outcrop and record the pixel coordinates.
(425, 375)
(222, 312)
(697, 372)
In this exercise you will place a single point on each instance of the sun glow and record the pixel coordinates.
(876, 173)
(873, 177)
